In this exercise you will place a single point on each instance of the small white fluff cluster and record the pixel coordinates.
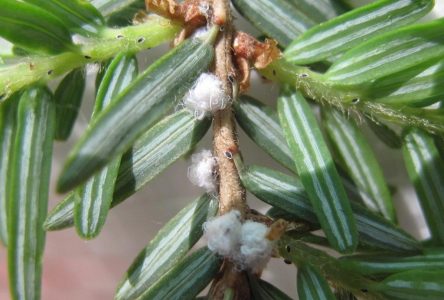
(224, 233)
(201, 172)
(255, 250)
(206, 96)
(245, 244)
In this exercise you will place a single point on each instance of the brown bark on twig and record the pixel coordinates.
(230, 278)
(231, 192)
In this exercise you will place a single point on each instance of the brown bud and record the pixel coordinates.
(165, 8)
(250, 52)
(277, 229)
(260, 54)
(266, 54)
(194, 12)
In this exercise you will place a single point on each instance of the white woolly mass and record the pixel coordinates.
(244, 244)
(223, 233)
(255, 250)
(206, 96)
(201, 172)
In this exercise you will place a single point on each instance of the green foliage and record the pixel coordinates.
(342, 33)
(388, 54)
(263, 290)
(287, 193)
(77, 15)
(187, 278)
(135, 110)
(317, 171)
(277, 18)
(385, 133)
(8, 116)
(68, 98)
(388, 264)
(424, 166)
(417, 86)
(27, 185)
(96, 195)
(261, 124)
(170, 245)
(180, 132)
(32, 28)
(360, 161)
(311, 285)
(412, 285)
(376, 65)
